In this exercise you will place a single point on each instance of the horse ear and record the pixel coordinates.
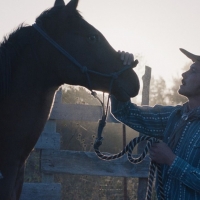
(72, 5)
(59, 3)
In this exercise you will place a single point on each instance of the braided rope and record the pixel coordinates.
(129, 148)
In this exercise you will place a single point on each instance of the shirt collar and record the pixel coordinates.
(190, 113)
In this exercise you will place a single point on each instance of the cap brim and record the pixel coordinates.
(193, 57)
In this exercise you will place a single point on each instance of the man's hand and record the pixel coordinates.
(161, 153)
(126, 57)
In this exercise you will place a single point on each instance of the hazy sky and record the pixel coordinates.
(152, 29)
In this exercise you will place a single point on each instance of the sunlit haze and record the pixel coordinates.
(152, 30)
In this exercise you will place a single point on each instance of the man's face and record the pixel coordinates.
(191, 82)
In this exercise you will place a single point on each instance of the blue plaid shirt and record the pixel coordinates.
(181, 180)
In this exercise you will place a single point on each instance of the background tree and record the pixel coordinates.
(161, 94)
(158, 91)
(78, 95)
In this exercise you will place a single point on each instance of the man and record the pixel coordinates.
(178, 127)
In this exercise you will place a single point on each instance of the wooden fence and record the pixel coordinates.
(53, 160)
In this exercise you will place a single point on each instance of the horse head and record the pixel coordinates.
(89, 48)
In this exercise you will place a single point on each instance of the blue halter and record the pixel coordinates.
(84, 69)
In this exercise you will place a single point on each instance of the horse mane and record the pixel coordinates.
(10, 48)
(13, 45)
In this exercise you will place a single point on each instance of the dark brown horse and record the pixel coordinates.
(33, 65)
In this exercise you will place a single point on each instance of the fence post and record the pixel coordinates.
(50, 127)
(142, 182)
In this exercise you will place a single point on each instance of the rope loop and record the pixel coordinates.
(129, 148)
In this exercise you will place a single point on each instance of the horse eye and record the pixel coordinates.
(93, 38)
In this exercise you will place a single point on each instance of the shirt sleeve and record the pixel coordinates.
(144, 119)
(185, 173)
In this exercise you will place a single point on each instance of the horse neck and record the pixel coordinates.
(31, 81)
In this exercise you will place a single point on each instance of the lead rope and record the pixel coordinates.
(129, 148)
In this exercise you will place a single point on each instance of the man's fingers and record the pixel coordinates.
(122, 55)
(126, 57)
